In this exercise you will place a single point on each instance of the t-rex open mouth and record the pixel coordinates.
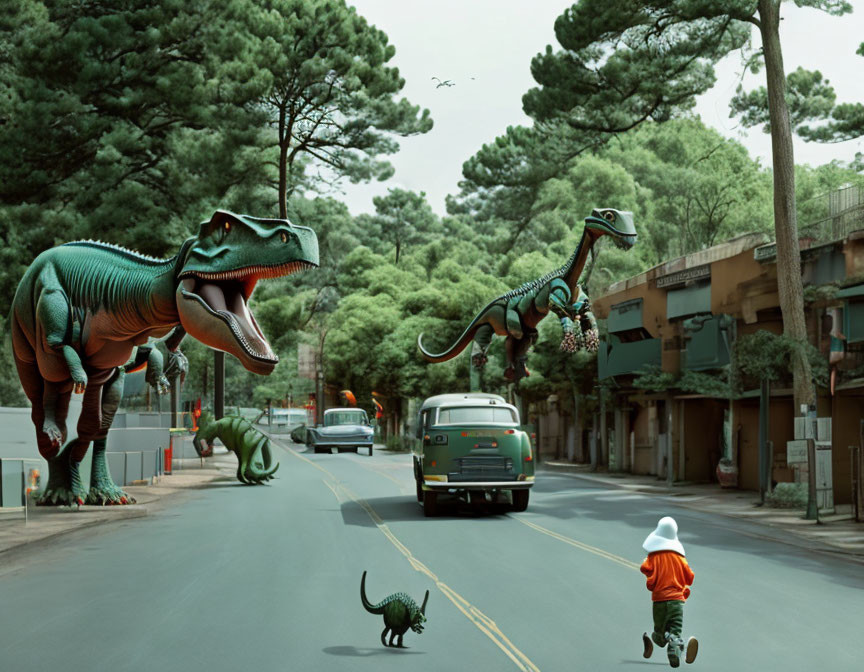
(224, 294)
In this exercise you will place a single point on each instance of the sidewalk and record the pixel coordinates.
(46, 522)
(836, 534)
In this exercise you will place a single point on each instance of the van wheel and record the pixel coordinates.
(520, 499)
(430, 503)
(419, 489)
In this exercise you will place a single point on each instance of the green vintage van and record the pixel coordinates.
(471, 443)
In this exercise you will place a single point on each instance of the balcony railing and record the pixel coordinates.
(616, 359)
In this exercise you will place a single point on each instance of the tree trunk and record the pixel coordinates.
(283, 182)
(789, 283)
(284, 140)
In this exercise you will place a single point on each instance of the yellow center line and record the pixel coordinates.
(485, 624)
(333, 489)
(578, 544)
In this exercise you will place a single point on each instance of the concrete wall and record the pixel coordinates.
(134, 451)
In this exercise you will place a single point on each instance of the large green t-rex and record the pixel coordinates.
(517, 313)
(82, 308)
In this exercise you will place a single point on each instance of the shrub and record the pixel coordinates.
(788, 496)
(398, 444)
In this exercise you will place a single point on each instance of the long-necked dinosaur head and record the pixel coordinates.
(220, 269)
(615, 223)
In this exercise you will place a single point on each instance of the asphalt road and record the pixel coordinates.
(267, 578)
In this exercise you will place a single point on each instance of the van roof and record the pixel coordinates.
(464, 399)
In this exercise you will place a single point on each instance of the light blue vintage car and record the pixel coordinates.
(343, 429)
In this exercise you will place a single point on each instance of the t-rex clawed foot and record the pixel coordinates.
(108, 495)
(64, 481)
(103, 490)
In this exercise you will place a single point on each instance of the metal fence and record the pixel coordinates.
(832, 216)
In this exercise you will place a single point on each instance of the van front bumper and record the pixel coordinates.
(441, 483)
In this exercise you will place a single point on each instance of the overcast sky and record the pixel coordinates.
(485, 47)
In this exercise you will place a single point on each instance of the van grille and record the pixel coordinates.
(483, 468)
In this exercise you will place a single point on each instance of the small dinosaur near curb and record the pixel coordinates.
(252, 448)
(400, 613)
(517, 313)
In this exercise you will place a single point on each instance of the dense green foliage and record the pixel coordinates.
(158, 115)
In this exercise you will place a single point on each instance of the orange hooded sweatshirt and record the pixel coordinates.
(668, 576)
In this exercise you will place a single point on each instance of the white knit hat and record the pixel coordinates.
(664, 538)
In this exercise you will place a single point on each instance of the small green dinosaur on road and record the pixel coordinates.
(400, 613)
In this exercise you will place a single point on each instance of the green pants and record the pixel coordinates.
(668, 617)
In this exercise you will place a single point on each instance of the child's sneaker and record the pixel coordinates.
(674, 649)
(692, 650)
(649, 647)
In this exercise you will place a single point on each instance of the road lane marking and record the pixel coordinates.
(578, 544)
(333, 489)
(485, 624)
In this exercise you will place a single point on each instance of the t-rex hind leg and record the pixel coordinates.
(39, 392)
(64, 475)
(103, 490)
(64, 481)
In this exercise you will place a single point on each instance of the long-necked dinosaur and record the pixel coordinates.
(82, 307)
(517, 313)
(400, 613)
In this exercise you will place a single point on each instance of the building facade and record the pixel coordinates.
(681, 320)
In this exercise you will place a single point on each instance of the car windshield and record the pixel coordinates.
(345, 418)
(471, 414)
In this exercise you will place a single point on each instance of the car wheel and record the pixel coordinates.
(520, 499)
(430, 503)
(420, 492)
(356, 449)
(370, 450)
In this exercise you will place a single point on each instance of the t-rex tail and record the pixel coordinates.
(460, 344)
(367, 605)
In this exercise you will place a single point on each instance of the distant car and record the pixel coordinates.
(471, 443)
(250, 414)
(285, 420)
(343, 428)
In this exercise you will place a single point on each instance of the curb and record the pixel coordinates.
(117, 514)
(796, 540)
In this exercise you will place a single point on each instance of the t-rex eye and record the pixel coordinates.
(609, 216)
(227, 227)
(284, 237)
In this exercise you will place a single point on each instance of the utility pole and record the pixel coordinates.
(219, 384)
(319, 380)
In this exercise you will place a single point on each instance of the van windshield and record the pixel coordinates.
(470, 414)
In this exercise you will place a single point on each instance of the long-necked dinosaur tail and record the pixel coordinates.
(367, 605)
(454, 349)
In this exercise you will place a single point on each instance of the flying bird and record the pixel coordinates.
(446, 82)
